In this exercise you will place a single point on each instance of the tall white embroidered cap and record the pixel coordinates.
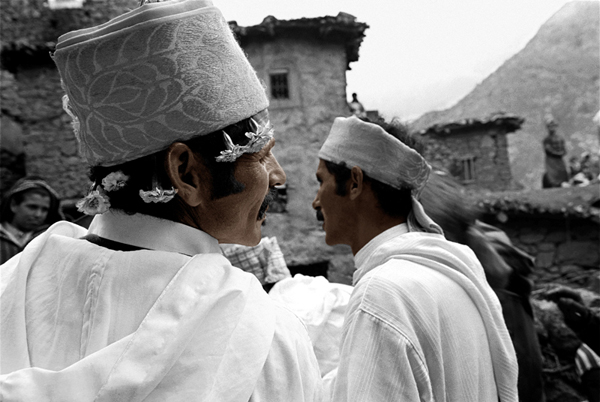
(382, 157)
(163, 72)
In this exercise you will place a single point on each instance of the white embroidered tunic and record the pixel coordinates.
(172, 322)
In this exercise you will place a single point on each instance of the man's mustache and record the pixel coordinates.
(266, 202)
(320, 217)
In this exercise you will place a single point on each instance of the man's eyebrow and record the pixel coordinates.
(269, 145)
(266, 149)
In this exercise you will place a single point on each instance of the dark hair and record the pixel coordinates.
(392, 201)
(143, 170)
(18, 198)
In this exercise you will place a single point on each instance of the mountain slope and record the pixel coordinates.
(558, 72)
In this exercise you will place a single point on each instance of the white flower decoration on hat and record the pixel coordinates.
(96, 202)
(258, 140)
(232, 152)
(158, 195)
(115, 181)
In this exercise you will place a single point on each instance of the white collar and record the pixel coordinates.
(21, 240)
(363, 256)
(153, 233)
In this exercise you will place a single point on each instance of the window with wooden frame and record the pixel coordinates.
(469, 170)
(280, 88)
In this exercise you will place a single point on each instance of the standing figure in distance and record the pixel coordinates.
(554, 147)
(356, 107)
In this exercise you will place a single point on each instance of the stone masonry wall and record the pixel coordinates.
(31, 22)
(566, 250)
(489, 149)
(317, 73)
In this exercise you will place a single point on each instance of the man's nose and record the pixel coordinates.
(277, 176)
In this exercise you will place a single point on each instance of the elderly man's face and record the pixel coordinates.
(237, 218)
(31, 213)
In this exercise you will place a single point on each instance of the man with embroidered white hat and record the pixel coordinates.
(172, 120)
(422, 323)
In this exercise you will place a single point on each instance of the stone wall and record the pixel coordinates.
(31, 23)
(32, 114)
(489, 148)
(317, 76)
(34, 109)
(566, 249)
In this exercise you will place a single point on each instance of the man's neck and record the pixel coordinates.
(15, 231)
(370, 227)
(15, 234)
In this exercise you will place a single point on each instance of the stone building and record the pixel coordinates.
(303, 65)
(560, 227)
(474, 151)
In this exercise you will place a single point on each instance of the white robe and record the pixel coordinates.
(422, 324)
(81, 322)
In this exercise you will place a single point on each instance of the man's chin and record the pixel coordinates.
(251, 241)
(32, 227)
(332, 240)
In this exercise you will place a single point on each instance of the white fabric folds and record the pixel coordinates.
(186, 347)
(400, 251)
(163, 72)
(382, 157)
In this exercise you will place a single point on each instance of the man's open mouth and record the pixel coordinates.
(265, 204)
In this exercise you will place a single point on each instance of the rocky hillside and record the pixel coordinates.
(558, 72)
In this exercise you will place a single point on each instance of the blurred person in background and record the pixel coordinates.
(507, 270)
(586, 325)
(28, 208)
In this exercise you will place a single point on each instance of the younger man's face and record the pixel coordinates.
(31, 213)
(332, 208)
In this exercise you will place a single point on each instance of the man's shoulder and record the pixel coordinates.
(401, 276)
(4, 237)
(397, 286)
(286, 321)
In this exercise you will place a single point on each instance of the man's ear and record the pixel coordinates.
(184, 169)
(356, 182)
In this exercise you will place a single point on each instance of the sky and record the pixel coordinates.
(417, 55)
